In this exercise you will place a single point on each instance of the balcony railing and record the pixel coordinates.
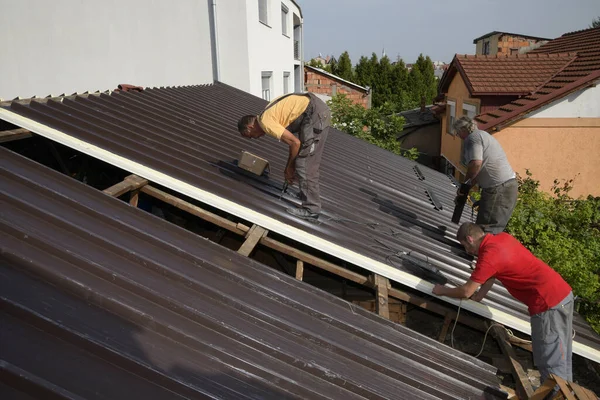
(296, 50)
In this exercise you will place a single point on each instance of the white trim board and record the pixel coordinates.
(274, 225)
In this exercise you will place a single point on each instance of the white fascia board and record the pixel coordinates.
(275, 225)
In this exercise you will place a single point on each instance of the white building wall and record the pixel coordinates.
(66, 46)
(269, 49)
(581, 104)
(232, 37)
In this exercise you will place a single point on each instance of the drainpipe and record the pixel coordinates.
(215, 41)
(303, 88)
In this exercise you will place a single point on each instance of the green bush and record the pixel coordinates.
(564, 232)
(376, 125)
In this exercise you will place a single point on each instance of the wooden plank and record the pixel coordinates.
(444, 332)
(564, 387)
(133, 200)
(381, 288)
(512, 395)
(402, 313)
(316, 261)
(299, 269)
(14, 134)
(580, 392)
(544, 389)
(195, 210)
(252, 239)
(523, 385)
(131, 182)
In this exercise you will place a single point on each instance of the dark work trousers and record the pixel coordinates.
(307, 171)
(552, 340)
(496, 206)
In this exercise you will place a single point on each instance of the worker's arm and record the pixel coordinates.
(294, 148)
(460, 292)
(483, 290)
(473, 170)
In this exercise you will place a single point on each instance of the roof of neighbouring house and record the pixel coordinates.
(337, 78)
(507, 33)
(579, 73)
(519, 74)
(418, 117)
(381, 211)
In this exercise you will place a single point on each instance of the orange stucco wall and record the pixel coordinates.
(450, 144)
(556, 148)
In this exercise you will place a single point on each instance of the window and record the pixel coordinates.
(286, 82)
(263, 15)
(284, 20)
(451, 116)
(266, 85)
(514, 51)
(486, 47)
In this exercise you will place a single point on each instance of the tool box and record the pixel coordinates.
(253, 163)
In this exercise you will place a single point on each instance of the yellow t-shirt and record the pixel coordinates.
(275, 119)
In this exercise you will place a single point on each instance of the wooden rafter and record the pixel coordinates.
(252, 238)
(523, 385)
(14, 134)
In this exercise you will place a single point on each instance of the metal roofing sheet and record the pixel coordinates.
(375, 203)
(102, 300)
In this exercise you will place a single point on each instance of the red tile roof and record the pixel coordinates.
(503, 74)
(579, 73)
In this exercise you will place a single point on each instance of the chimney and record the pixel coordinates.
(422, 104)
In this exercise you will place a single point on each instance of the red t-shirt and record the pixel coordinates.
(525, 276)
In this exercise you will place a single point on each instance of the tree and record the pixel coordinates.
(365, 72)
(595, 23)
(344, 67)
(423, 82)
(382, 82)
(376, 125)
(564, 233)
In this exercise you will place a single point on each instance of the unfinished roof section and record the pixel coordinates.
(102, 300)
(520, 74)
(377, 205)
(582, 72)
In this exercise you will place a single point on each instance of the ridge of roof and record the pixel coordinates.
(526, 56)
(507, 33)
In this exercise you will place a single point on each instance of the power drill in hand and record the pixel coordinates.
(460, 201)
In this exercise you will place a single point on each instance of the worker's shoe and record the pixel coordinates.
(303, 213)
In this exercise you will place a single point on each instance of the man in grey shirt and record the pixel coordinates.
(488, 167)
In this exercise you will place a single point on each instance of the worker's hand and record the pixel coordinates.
(438, 290)
(290, 174)
(478, 296)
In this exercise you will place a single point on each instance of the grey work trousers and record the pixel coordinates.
(552, 340)
(496, 206)
(307, 171)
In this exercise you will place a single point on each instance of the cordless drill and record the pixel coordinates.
(461, 199)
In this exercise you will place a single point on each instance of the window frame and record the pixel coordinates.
(265, 11)
(286, 82)
(449, 117)
(267, 91)
(285, 15)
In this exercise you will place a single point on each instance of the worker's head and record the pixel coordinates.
(249, 127)
(470, 236)
(464, 126)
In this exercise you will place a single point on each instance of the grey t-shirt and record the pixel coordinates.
(495, 169)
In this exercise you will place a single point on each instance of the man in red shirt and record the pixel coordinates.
(531, 281)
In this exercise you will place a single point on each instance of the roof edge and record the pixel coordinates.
(508, 33)
(322, 71)
(521, 112)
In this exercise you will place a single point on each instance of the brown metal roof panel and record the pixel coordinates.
(189, 134)
(183, 300)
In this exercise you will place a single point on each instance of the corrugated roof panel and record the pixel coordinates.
(374, 204)
(102, 300)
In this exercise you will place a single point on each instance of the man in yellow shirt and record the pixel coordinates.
(302, 122)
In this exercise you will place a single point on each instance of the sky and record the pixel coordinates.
(438, 28)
